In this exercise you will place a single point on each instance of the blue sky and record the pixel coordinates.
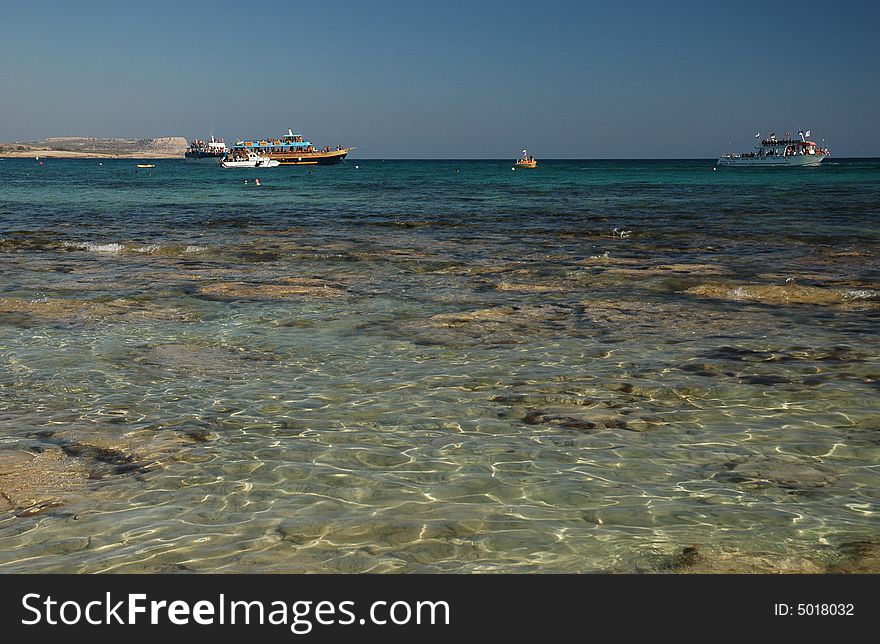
(448, 79)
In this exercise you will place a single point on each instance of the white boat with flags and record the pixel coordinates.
(775, 152)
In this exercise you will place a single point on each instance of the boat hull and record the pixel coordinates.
(207, 159)
(249, 164)
(310, 158)
(796, 161)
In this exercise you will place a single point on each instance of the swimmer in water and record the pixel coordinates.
(257, 181)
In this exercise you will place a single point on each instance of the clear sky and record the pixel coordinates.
(448, 79)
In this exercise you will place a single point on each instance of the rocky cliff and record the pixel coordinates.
(163, 146)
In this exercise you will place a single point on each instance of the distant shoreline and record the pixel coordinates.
(73, 147)
(69, 154)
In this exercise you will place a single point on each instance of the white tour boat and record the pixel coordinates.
(775, 152)
(206, 151)
(250, 160)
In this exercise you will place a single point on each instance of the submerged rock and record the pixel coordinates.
(60, 464)
(838, 353)
(666, 317)
(33, 483)
(592, 419)
(495, 325)
(549, 417)
(543, 398)
(505, 315)
(100, 454)
(530, 287)
(784, 472)
(858, 557)
(70, 310)
(47, 308)
(668, 270)
(202, 359)
(789, 293)
(286, 289)
(696, 559)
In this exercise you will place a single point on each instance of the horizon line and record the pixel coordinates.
(48, 155)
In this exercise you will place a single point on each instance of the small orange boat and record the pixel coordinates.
(526, 161)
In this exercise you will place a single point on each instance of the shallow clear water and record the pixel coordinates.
(436, 366)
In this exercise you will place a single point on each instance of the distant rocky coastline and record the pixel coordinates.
(96, 147)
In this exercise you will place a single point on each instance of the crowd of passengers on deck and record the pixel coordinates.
(282, 147)
(198, 143)
(790, 151)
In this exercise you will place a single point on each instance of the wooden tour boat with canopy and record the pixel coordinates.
(290, 149)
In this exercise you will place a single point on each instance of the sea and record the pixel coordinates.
(439, 367)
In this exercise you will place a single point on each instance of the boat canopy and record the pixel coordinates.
(271, 144)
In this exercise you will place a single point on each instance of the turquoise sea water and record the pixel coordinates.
(437, 366)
